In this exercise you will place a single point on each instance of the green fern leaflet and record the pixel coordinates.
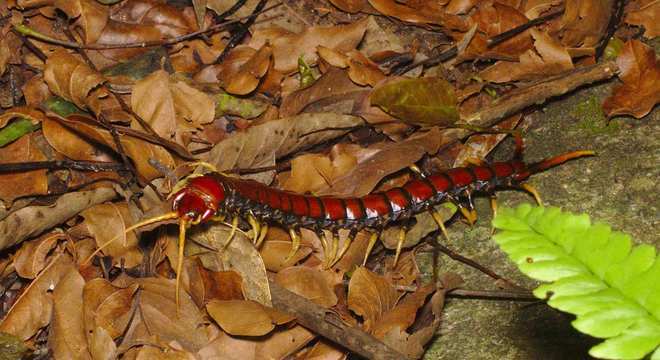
(593, 272)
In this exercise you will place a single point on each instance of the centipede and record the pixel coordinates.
(219, 196)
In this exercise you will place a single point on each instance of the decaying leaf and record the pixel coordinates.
(33, 309)
(424, 101)
(313, 284)
(403, 315)
(71, 78)
(30, 259)
(370, 296)
(67, 333)
(644, 13)
(313, 172)
(244, 317)
(18, 184)
(106, 310)
(275, 250)
(640, 73)
(107, 222)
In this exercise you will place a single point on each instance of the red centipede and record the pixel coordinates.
(219, 196)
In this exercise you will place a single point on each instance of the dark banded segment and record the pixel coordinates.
(483, 173)
(502, 170)
(299, 205)
(334, 208)
(441, 182)
(315, 207)
(285, 201)
(460, 177)
(354, 209)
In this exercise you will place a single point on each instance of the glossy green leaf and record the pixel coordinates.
(595, 273)
(425, 101)
(15, 130)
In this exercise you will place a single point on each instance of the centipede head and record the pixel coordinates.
(199, 199)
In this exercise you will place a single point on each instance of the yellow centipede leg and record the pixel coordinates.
(530, 189)
(262, 235)
(333, 248)
(295, 244)
(399, 246)
(441, 224)
(344, 248)
(179, 261)
(256, 228)
(234, 226)
(326, 249)
(370, 246)
(470, 214)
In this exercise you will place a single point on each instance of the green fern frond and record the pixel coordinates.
(593, 272)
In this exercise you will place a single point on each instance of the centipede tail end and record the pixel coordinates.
(546, 164)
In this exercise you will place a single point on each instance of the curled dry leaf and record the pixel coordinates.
(260, 145)
(350, 6)
(33, 309)
(313, 284)
(107, 222)
(206, 285)
(240, 256)
(245, 317)
(247, 77)
(313, 172)
(106, 307)
(158, 307)
(424, 101)
(549, 58)
(30, 259)
(71, 78)
(35, 116)
(644, 13)
(166, 104)
(91, 17)
(404, 12)
(288, 47)
(370, 296)
(33, 220)
(640, 73)
(71, 144)
(101, 345)
(362, 70)
(403, 315)
(584, 22)
(66, 337)
(18, 184)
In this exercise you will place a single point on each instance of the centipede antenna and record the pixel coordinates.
(179, 262)
(399, 246)
(557, 160)
(167, 216)
(370, 246)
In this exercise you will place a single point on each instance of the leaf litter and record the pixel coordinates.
(328, 102)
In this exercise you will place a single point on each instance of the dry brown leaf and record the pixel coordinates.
(106, 307)
(71, 144)
(640, 73)
(550, 58)
(313, 284)
(243, 317)
(325, 350)
(362, 70)
(71, 78)
(18, 184)
(140, 151)
(275, 250)
(288, 47)
(392, 157)
(260, 145)
(35, 116)
(165, 104)
(30, 259)
(101, 345)
(66, 337)
(247, 76)
(33, 220)
(91, 17)
(207, 285)
(350, 6)
(403, 315)
(407, 13)
(584, 22)
(33, 309)
(107, 222)
(333, 87)
(159, 353)
(644, 13)
(159, 311)
(370, 296)
(240, 256)
(313, 172)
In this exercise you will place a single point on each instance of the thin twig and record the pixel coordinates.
(242, 31)
(615, 18)
(61, 164)
(493, 295)
(501, 37)
(444, 55)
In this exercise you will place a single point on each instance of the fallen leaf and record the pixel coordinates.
(350, 6)
(403, 314)
(101, 345)
(424, 101)
(640, 73)
(33, 309)
(17, 184)
(275, 250)
(90, 17)
(66, 337)
(33, 220)
(313, 284)
(71, 78)
(370, 296)
(30, 259)
(107, 222)
(325, 350)
(226, 104)
(362, 70)
(206, 285)
(247, 76)
(584, 22)
(644, 13)
(241, 317)
(313, 172)
(106, 307)
(288, 47)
